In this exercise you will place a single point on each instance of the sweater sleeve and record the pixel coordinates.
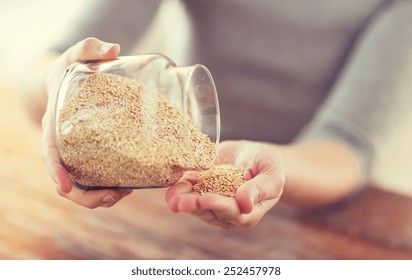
(373, 94)
(121, 21)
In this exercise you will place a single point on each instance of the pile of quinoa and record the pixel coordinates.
(113, 133)
(222, 179)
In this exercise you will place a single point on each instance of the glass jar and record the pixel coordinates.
(135, 122)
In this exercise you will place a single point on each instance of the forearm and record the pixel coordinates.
(318, 172)
(365, 107)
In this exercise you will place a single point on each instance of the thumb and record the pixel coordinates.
(91, 49)
(258, 189)
(249, 193)
(88, 49)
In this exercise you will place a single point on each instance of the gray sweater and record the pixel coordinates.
(288, 70)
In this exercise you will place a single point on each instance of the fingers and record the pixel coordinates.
(216, 210)
(265, 178)
(91, 49)
(88, 49)
(185, 185)
(260, 188)
(50, 155)
(252, 200)
(225, 207)
(224, 213)
(89, 199)
(210, 218)
(95, 198)
(180, 196)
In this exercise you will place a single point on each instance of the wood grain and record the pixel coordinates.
(36, 223)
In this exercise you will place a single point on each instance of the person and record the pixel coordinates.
(309, 92)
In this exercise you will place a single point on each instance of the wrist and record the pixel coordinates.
(318, 172)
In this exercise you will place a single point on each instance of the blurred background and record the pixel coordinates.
(29, 27)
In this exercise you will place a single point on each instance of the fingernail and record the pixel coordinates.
(108, 198)
(105, 47)
(125, 192)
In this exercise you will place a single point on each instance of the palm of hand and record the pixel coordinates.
(264, 177)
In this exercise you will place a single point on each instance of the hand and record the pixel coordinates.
(264, 175)
(88, 49)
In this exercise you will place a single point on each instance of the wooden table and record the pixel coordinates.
(38, 224)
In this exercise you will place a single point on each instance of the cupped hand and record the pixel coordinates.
(265, 178)
(88, 49)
